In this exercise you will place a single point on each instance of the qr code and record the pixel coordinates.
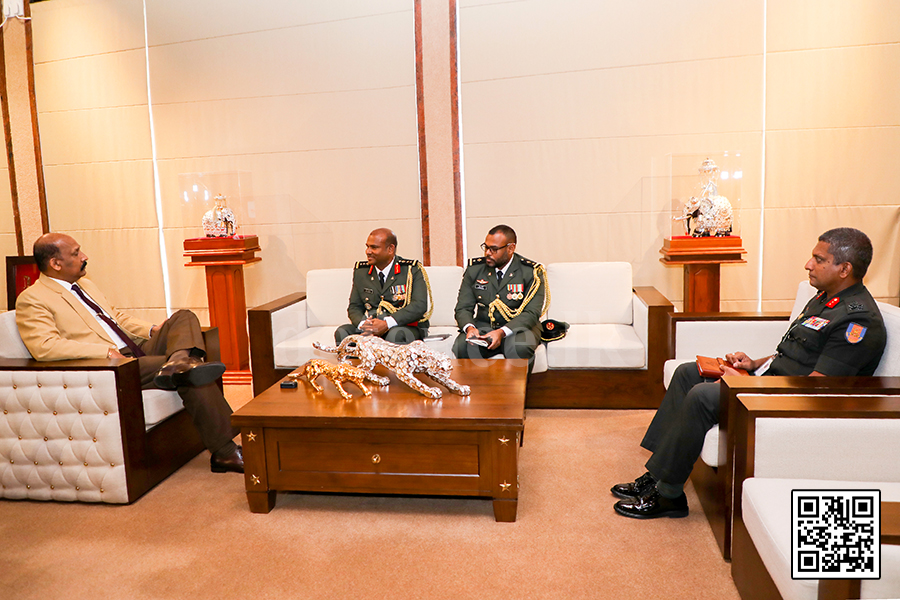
(836, 534)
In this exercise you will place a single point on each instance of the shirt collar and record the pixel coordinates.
(387, 270)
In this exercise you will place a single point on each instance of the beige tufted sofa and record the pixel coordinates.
(82, 430)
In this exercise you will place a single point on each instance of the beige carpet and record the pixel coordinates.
(194, 537)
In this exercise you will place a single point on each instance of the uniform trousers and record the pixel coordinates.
(399, 334)
(209, 411)
(521, 344)
(675, 436)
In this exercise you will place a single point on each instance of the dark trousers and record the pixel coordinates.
(400, 334)
(206, 405)
(521, 344)
(688, 411)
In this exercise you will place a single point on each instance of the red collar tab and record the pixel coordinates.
(370, 269)
(819, 295)
(833, 302)
(397, 269)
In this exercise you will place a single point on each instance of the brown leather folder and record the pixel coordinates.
(714, 368)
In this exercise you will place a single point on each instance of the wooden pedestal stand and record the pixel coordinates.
(224, 259)
(701, 257)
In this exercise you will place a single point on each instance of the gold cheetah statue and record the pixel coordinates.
(337, 374)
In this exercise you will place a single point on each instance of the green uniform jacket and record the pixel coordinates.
(367, 294)
(479, 288)
(839, 336)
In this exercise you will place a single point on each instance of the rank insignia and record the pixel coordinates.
(853, 307)
(855, 333)
(816, 323)
(833, 302)
(481, 281)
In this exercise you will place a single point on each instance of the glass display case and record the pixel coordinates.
(216, 204)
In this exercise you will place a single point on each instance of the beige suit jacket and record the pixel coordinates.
(55, 325)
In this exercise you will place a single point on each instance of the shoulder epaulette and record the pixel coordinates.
(361, 264)
(407, 261)
(476, 261)
(528, 262)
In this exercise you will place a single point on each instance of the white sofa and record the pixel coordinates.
(758, 335)
(808, 443)
(83, 430)
(610, 323)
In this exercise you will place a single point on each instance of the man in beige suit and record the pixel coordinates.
(60, 319)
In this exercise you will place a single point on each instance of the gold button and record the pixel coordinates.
(95, 439)
(60, 463)
(105, 412)
(52, 488)
(80, 412)
(70, 438)
(112, 464)
(28, 411)
(5, 412)
(85, 464)
(12, 462)
(39, 385)
(376, 459)
(101, 490)
(45, 439)
(90, 385)
(54, 412)
(65, 387)
(77, 489)
(35, 462)
(15, 386)
(20, 437)
(28, 487)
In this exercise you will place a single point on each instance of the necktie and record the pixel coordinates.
(381, 278)
(135, 351)
(499, 276)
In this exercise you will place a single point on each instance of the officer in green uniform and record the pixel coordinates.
(839, 333)
(390, 296)
(500, 302)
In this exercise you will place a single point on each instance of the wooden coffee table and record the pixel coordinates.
(395, 441)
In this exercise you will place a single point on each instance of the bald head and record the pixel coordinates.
(59, 256)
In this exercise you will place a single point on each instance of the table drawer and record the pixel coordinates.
(383, 460)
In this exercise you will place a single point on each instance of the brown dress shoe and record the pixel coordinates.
(189, 371)
(232, 462)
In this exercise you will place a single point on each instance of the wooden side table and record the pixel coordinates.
(701, 258)
(224, 259)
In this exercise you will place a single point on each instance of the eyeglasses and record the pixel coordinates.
(493, 249)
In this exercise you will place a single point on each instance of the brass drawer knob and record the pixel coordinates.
(376, 459)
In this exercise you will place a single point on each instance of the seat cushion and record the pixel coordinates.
(591, 293)
(444, 283)
(766, 505)
(711, 453)
(159, 405)
(606, 346)
(890, 360)
(292, 353)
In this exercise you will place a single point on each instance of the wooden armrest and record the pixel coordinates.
(658, 341)
(730, 316)
(652, 297)
(262, 346)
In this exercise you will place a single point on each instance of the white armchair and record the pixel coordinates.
(83, 430)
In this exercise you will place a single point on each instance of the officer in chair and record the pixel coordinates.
(501, 299)
(390, 296)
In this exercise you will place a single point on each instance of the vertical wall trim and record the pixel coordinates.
(38, 158)
(456, 134)
(157, 193)
(420, 119)
(7, 134)
(762, 198)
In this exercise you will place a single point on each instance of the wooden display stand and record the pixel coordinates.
(701, 257)
(224, 259)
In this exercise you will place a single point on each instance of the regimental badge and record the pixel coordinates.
(816, 323)
(368, 306)
(833, 302)
(855, 333)
(481, 281)
(368, 291)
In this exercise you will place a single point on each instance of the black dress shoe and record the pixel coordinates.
(634, 489)
(653, 506)
(233, 462)
(190, 372)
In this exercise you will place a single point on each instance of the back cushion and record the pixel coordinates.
(591, 292)
(327, 296)
(890, 360)
(11, 345)
(444, 289)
